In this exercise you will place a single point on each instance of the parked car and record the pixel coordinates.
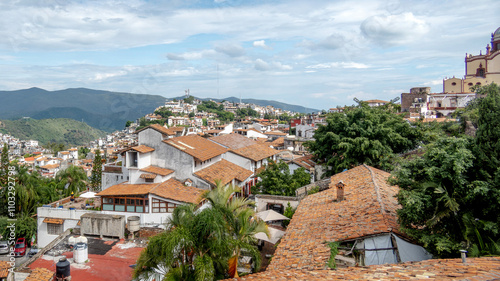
(20, 248)
(33, 251)
(4, 247)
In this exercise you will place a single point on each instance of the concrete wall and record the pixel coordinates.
(103, 225)
(167, 156)
(261, 201)
(150, 137)
(239, 160)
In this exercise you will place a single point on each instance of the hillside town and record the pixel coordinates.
(341, 220)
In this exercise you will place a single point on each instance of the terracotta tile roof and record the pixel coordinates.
(53, 220)
(40, 274)
(147, 176)
(112, 169)
(224, 171)
(487, 268)
(376, 101)
(175, 190)
(50, 166)
(196, 146)
(233, 141)
(275, 133)
(159, 128)
(369, 207)
(29, 159)
(65, 152)
(4, 269)
(177, 129)
(157, 170)
(171, 189)
(142, 148)
(73, 149)
(256, 152)
(279, 142)
(305, 161)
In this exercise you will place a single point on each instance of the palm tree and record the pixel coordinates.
(73, 179)
(195, 246)
(243, 222)
(198, 242)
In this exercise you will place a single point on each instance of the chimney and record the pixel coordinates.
(340, 191)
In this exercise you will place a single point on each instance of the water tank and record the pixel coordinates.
(133, 223)
(72, 241)
(80, 253)
(81, 239)
(63, 268)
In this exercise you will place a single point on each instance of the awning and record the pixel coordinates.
(274, 235)
(53, 220)
(271, 215)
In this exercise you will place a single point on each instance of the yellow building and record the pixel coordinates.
(479, 70)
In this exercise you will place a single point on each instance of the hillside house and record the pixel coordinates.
(359, 212)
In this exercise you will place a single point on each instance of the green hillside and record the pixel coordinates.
(62, 130)
(104, 110)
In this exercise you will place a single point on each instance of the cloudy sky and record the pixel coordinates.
(314, 53)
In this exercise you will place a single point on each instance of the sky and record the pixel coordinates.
(314, 53)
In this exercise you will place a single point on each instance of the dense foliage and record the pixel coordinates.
(276, 179)
(450, 196)
(31, 190)
(200, 242)
(363, 134)
(96, 176)
(210, 106)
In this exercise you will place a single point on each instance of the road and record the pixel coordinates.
(19, 260)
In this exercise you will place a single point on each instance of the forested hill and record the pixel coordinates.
(61, 130)
(103, 110)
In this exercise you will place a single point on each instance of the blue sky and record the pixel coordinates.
(318, 54)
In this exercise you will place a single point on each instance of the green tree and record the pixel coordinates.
(198, 242)
(95, 177)
(73, 179)
(289, 212)
(82, 152)
(189, 100)
(363, 134)
(277, 180)
(4, 165)
(191, 114)
(437, 194)
(128, 123)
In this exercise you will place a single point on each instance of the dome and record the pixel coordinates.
(496, 35)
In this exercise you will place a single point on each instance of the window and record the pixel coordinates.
(454, 83)
(160, 206)
(54, 228)
(478, 83)
(133, 159)
(149, 180)
(480, 72)
(470, 84)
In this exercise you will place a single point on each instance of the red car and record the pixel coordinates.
(20, 248)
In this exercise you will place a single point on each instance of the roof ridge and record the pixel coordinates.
(377, 189)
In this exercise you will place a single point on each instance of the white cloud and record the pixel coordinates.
(231, 50)
(263, 65)
(339, 65)
(261, 44)
(394, 29)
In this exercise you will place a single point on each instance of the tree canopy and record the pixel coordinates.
(199, 242)
(276, 179)
(363, 134)
(450, 196)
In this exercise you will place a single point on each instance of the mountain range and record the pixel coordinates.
(104, 110)
(61, 130)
